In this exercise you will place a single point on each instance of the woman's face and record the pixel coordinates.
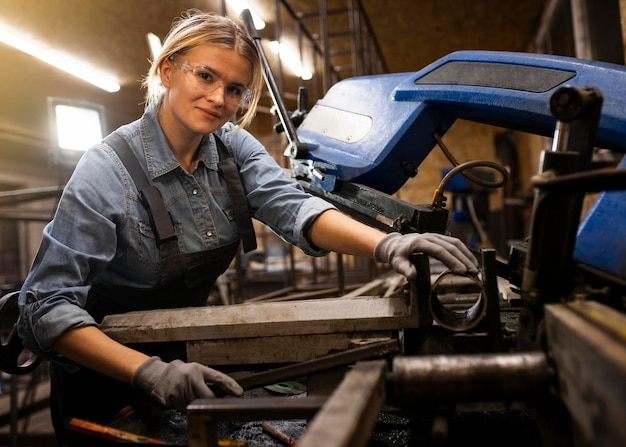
(204, 86)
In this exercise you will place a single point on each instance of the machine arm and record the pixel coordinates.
(377, 130)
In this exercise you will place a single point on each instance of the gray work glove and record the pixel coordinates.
(176, 384)
(396, 249)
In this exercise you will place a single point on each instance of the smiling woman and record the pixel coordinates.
(155, 212)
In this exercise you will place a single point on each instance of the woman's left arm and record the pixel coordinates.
(335, 231)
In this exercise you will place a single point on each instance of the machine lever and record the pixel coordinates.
(300, 113)
(295, 148)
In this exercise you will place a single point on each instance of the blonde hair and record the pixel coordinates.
(194, 28)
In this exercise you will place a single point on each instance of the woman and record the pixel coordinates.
(99, 254)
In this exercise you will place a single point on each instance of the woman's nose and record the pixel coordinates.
(217, 95)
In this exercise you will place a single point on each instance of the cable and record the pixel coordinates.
(439, 199)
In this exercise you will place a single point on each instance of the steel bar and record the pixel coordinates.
(255, 320)
(350, 413)
(490, 285)
(370, 351)
(587, 341)
(467, 378)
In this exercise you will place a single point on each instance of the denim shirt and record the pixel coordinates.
(101, 233)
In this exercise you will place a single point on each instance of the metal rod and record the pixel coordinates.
(372, 38)
(325, 363)
(561, 136)
(325, 45)
(355, 28)
(546, 22)
(477, 377)
(582, 33)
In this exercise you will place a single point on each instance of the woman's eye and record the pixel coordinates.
(235, 90)
(205, 76)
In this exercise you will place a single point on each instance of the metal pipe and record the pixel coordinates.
(546, 22)
(325, 46)
(454, 319)
(465, 378)
(582, 33)
(355, 41)
(561, 136)
(372, 39)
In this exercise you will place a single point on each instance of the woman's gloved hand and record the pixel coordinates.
(396, 249)
(176, 384)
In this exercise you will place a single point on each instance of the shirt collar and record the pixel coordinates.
(159, 158)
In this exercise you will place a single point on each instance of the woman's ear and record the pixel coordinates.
(165, 72)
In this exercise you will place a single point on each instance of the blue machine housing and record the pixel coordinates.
(510, 90)
(601, 238)
(377, 130)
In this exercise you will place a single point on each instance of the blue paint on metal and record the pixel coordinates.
(510, 90)
(405, 112)
(601, 239)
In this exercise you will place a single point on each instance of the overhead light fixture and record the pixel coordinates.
(290, 59)
(59, 61)
(240, 5)
(154, 43)
(75, 126)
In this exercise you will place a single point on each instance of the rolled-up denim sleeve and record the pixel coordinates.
(276, 199)
(310, 209)
(75, 246)
(43, 320)
(48, 304)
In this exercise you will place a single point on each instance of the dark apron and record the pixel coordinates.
(187, 279)
(95, 397)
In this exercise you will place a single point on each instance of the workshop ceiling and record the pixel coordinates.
(111, 35)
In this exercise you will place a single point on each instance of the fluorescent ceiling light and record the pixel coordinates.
(154, 43)
(59, 61)
(240, 5)
(290, 59)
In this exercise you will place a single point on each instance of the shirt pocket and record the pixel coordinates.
(146, 243)
(147, 247)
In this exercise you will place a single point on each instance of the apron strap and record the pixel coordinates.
(237, 193)
(159, 216)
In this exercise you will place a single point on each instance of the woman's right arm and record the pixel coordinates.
(90, 347)
(79, 243)
(173, 385)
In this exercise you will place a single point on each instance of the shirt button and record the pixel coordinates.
(194, 191)
(209, 233)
